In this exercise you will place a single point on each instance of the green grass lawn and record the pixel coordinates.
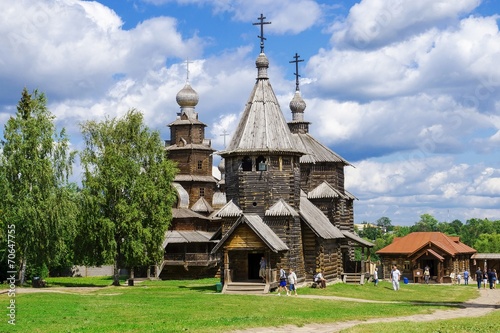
(194, 306)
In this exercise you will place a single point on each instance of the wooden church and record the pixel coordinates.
(281, 196)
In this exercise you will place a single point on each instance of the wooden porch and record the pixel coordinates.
(250, 286)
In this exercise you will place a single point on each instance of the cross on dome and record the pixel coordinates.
(261, 23)
(296, 61)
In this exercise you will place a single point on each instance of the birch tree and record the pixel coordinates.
(127, 193)
(35, 163)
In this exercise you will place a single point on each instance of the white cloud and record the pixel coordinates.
(374, 22)
(435, 185)
(74, 48)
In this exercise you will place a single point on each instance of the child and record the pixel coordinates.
(292, 280)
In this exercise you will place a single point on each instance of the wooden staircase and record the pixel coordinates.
(246, 288)
(353, 278)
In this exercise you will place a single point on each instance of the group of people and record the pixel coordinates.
(292, 281)
(486, 277)
(291, 278)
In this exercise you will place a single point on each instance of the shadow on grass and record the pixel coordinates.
(201, 288)
(82, 282)
(70, 284)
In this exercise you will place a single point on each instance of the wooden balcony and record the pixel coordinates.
(191, 259)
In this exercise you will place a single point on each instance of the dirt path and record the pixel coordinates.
(488, 301)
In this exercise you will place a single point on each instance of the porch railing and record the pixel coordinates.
(193, 258)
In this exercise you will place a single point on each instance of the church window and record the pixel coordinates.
(202, 191)
(246, 163)
(200, 165)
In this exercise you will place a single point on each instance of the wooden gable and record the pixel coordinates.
(244, 238)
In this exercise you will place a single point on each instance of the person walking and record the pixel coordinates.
(427, 275)
(479, 277)
(491, 275)
(466, 277)
(282, 282)
(395, 276)
(292, 281)
(375, 277)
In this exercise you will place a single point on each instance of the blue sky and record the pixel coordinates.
(407, 91)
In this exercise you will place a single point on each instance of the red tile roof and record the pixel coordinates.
(418, 240)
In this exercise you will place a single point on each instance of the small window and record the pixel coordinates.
(246, 163)
(202, 191)
(286, 161)
(200, 165)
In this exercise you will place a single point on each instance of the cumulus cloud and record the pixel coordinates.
(75, 48)
(371, 23)
(404, 188)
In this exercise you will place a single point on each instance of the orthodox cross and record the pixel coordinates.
(187, 69)
(261, 23)
(224, 134)
(296, 61)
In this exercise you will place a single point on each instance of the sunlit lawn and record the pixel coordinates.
(194, 306)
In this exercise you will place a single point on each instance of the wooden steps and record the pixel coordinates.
(353, 278)
(245, 288)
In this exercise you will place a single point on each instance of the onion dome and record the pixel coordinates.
(187, 97)
(297, 105)
(262, 63)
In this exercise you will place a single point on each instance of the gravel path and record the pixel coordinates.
(488, 301)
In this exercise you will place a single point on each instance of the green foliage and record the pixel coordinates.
(385, 223)
(473, 228)
(34, 168)
(127, 193)
(488, 243)
(427, 223)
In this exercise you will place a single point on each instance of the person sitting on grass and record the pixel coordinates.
(320, 279)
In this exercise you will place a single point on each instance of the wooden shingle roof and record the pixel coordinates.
(281, 208)
(317, 221)
(357, 239)
(229, 210)
(315, 151)
(262, 127)
(187, 236)
(261, 229)
(184, 213)
(202, 206)
(326, 190)
(415, 241)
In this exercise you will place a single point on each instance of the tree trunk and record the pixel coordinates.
(22, 272)
(116, 273)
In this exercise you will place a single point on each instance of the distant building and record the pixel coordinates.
(445, 256)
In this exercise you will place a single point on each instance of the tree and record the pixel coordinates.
(473, 228)
(427, 223)
(36, 162)
(488, 243)
(127, 194)
(385, 224)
